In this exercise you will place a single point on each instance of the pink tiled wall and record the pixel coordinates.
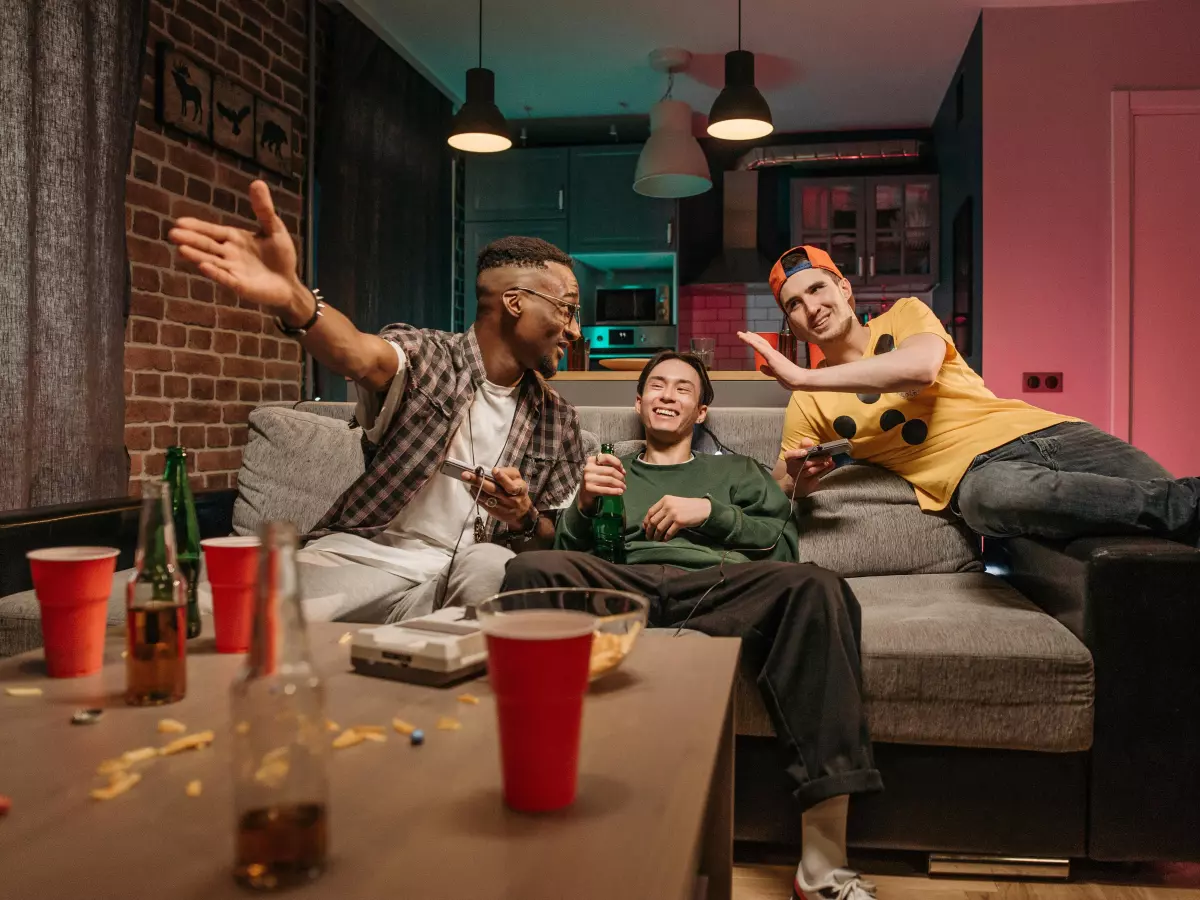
(715, 315)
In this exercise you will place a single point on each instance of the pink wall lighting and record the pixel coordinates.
(1048, 76)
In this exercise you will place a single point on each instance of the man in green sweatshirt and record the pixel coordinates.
(711, 542)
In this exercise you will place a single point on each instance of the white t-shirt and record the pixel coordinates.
(417, 543)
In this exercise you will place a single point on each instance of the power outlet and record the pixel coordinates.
(1042, 382)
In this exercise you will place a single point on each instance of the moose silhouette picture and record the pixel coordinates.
(272, 137)
(233, 119)
(184, 93)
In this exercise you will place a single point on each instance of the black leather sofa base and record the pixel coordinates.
(949, 799)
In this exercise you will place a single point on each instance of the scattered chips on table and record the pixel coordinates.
(331, 725)
(346, 638)
(274, 768)
(197, 741)
(23, 691)
(445, 723)
(171, 726)
(119, 784)
(242, 728)
(126, 759)
(403, 727)
(194, 788)
(469, 699)
(356, 734)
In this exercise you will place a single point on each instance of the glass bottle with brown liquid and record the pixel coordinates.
(156, 608)
(280, 741)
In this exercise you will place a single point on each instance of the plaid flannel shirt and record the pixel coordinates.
(443, 372)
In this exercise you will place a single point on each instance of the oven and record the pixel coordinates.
(627, 342)
(649, 305)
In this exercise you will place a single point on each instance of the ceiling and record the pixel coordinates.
(822, 65)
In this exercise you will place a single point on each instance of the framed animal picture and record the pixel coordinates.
(184, 93)
(233, 117)
(273, 137)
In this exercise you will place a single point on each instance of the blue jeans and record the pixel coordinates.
(1074, 480)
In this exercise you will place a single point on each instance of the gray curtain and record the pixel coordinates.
(383, 167)
(69, 84)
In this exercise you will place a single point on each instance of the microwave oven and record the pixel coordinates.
(633, 305)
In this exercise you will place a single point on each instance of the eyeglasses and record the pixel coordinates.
(565, 306)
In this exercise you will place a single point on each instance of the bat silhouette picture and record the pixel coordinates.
(233, 116)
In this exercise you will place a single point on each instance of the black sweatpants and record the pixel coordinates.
(799, 626)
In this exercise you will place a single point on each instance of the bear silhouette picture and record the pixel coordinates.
(273, 138)
(189, 94)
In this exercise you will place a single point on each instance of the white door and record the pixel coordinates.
(1163, 336)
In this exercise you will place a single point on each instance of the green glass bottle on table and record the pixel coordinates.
(187, 532)
(608, 523)
(155, 608)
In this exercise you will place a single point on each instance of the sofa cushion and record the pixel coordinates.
(865, 521)
(965, 661)
(294, 467)
(21, 619)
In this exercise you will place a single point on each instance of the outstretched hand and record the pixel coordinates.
(260, 267)
(778, 366)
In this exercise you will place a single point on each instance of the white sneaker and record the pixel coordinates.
(845, 884)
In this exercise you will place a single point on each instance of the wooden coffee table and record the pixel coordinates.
(653, 818)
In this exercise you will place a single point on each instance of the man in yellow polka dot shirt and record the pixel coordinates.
(900, 392)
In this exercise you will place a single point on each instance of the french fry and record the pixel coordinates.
(403, 727)
(374, 736)
(120, 783)
(331, 725)
(171, 726)
(348, 738)
(445, 723)
(197, 741)
(273, 769)
(369, 729)
(194, 788)
(469, 699)
(346, 638)
(23, 691)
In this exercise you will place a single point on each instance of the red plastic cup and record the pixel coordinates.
(772, 338)
(538, 667)
(72, 586)
(232, 564)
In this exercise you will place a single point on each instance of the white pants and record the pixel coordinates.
(336, 589)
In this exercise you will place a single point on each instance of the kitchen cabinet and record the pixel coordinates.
(478, 235)
(517, 185)
(881, 231)
(606, 215)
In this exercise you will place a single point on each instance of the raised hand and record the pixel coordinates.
(603, 475)
(778, 366)
(260, 267)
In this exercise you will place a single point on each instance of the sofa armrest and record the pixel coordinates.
(1135, 603)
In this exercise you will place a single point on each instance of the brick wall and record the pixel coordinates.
(719, 316)
(197, 359)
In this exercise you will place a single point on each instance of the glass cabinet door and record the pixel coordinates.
(902, 234)
(828, 213)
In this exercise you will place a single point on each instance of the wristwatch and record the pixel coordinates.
(307, 326)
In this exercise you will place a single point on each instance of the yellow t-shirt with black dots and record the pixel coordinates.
(928, 437)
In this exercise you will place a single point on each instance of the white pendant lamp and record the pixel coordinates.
(671, 163)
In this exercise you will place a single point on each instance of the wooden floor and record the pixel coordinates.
(761, 882)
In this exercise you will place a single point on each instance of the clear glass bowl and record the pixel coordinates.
(620, 616)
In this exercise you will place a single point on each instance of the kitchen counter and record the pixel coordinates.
(733, 388)
(607, 375)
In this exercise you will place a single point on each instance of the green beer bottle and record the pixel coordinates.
(187, 532)
(608, 523)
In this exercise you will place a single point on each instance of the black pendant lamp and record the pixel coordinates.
(479, 126)
(740, 112)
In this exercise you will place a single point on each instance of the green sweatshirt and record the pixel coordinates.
(748, 511)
